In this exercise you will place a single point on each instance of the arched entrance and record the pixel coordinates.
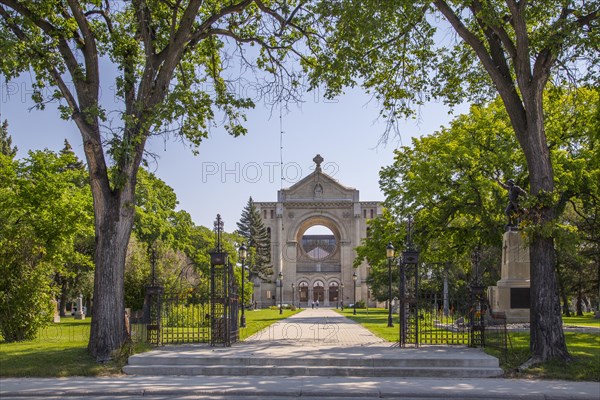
(319, 292)
(303, 292)
(334, 294)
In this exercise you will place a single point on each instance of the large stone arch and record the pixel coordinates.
(300, 224)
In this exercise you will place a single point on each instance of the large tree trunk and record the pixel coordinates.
(547, 337)
(114, 222)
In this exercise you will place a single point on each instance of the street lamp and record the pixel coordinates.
(293, 294)
(342, 286)
(243, 252)
(389, 252)
(280, 292)
(354, 278)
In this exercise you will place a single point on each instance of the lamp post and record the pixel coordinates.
(280, 292)
(243, 252)
(342, 294)
(293, 294)
(354, 278)
(389, 252)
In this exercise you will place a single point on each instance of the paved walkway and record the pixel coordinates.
(317, 329)
(322, 328)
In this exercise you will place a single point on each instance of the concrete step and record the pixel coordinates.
(275, 370)
(368, 361)
(325, 361)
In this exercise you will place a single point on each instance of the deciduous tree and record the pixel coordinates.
(511, 48)
(171, 77)
(44, 212)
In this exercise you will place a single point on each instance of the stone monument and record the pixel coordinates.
(511, 293)
(56, 304)
(79, 314)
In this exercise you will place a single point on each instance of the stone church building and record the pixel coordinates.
(315, 226)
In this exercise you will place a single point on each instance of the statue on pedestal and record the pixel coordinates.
(513, 211)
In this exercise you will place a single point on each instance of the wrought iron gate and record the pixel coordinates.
(428, 317)
(201, 311)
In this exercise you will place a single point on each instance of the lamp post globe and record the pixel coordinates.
(389, 252)
(354, 278)
(243, 253)
(280, 292)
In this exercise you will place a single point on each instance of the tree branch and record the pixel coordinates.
(144, 17)
(521, 60)
(505, 86)
(500, 31)
(548, 55)
(90, 51)
(493, 40)
(51, 31)
(64, 89)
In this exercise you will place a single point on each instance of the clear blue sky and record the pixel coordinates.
(228, 170)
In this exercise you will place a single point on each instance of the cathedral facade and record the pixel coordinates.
(315, 226)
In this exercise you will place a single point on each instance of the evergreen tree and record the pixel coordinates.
(258, 240)
(6, 141)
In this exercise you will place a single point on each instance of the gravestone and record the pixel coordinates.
(511, 293)
(79, 314)
(56, 318)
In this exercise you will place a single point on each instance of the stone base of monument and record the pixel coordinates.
(511, 296)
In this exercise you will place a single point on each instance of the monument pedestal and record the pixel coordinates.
(510, 296)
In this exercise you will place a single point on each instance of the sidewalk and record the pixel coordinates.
(288, 387)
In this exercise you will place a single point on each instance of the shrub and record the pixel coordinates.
(25, 301)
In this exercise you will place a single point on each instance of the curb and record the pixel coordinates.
(244, 393)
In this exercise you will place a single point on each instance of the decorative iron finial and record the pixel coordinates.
(318, 160)
(218, 225)
(409, 232)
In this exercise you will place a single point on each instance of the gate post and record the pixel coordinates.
(409, 306)
(223, 297)
(152, 313)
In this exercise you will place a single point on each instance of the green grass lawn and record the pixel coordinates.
(584, 348)
(375, 319)
(60, 349)
(586, 320)
(257, 320)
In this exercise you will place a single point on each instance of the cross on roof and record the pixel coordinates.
(318, 160)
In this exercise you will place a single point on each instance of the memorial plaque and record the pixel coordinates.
(519, 298)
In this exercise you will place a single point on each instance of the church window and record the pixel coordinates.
(264, 214)
(272, 213)
(364, 213)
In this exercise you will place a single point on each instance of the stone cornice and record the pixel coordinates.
(322, 204)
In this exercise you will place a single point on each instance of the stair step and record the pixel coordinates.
(300, 370)
(314, 362)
